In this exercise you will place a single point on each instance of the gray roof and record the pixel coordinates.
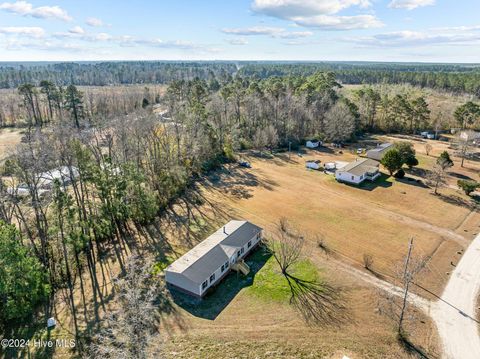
(381, 148)
(361, 167)
(207, 256)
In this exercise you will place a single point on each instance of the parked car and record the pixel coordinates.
(314, 165)
(245, 164)
(360, 151)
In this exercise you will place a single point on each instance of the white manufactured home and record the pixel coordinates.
(358, 171)
(207, 263)
(378, 152)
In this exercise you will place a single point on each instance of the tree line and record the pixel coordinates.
(458, 78)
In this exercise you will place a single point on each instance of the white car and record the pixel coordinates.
(314, 165)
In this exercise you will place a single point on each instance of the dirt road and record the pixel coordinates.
(455, 314)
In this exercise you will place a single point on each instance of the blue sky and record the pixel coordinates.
(364, 30)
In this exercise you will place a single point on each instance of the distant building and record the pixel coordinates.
(378, 153)
(358, 171)
(65, 175)
(313, 143)
(205, 265)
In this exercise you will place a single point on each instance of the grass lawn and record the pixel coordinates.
(271, 284)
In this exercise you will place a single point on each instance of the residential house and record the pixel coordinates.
(205, 265)
(358, 171)
(378, 152)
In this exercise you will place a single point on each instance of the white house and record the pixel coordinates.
(313, 143)
(358, 171)
(378, 152)
(65, 175)
(206, 264)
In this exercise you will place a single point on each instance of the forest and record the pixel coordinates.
(126, 163)
(458, 78)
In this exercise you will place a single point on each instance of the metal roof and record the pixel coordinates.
(360, 167)
(380, 148)
(207, 256)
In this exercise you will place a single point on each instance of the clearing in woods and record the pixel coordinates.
(376, 219)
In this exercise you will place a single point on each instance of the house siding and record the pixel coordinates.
(348, 177)
(180, 282)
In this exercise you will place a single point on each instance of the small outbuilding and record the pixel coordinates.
(313, 143)
(378, 152)
(206, 264)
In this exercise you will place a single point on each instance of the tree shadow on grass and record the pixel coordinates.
(412, 182)
(413, 349)
(457, 201)
(460, 176)
(237, 182)
(220, 296)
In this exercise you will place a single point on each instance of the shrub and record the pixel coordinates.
(400, 173)
(468, 186)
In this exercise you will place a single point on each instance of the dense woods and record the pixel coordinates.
(458, 78)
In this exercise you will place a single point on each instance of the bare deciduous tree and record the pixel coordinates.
(437, 177)
(319, 302)
(428, 149)
(130, 330)
(464, 141)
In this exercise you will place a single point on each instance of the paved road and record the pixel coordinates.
(457, 326)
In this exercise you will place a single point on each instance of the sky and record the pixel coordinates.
(294, 30)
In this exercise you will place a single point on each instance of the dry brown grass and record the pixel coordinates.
(8, 139)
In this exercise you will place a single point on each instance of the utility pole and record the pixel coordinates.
(407, 278)
(289, 148)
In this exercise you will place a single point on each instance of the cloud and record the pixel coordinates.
(286, 9)
(255, 30)
(76, 30)
(329, 22)
(410, 4)
(318, 13)
(238, 41)
(24, 8)
(34, 32)
(409, 38)
(94, 22)
(275, 32)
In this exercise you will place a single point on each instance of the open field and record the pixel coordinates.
(374, 219)
(8, 139)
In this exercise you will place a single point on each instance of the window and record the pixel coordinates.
(212, 277)
(353, 177)
(226, 264)
(242, 250)
(249, 244)
(204, 284)
(258, 236)
(223, 267)
(238, 254)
